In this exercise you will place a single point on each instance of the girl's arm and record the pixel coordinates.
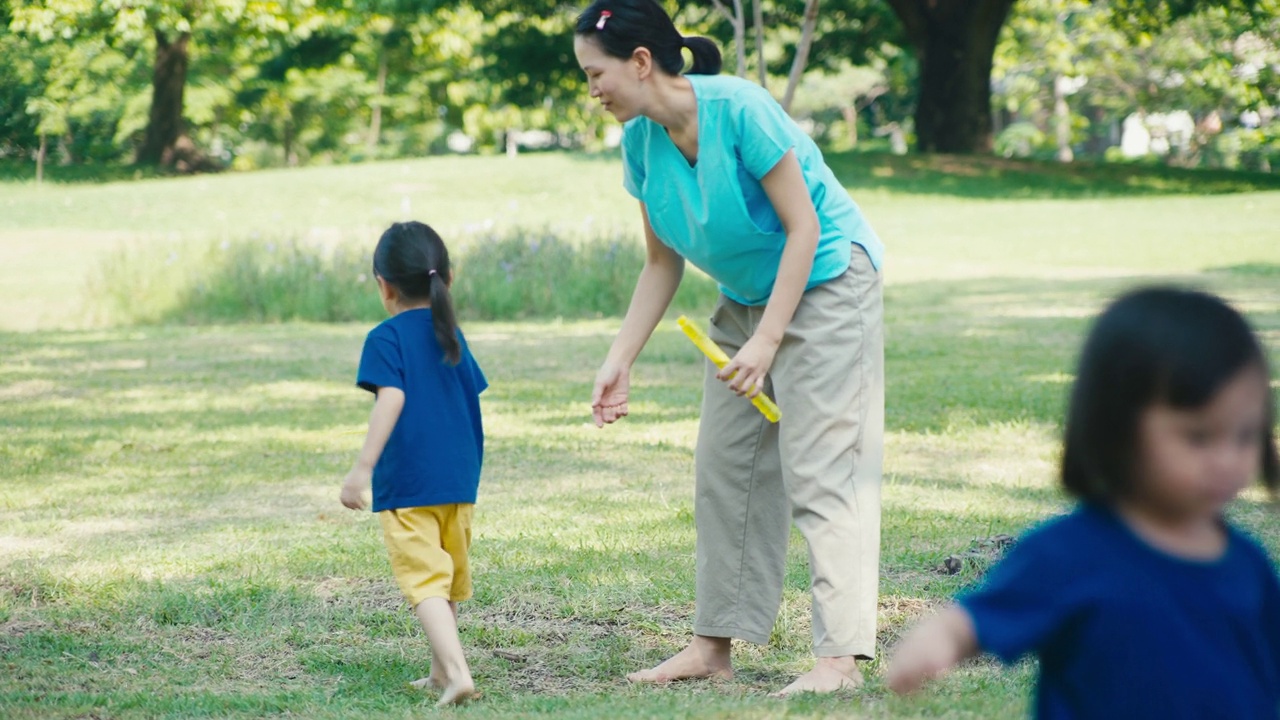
(657, 284)
(386, 411)
(932, 648)
(785, 186)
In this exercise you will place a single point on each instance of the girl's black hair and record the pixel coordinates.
(631, 24)
(413, 259)
(1155, 345)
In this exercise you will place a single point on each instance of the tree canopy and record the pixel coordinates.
(196, 84)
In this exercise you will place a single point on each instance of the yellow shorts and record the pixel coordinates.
(428, 550)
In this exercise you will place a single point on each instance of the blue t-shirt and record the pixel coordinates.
(716, 213)
(434, 453)
(1123, 630)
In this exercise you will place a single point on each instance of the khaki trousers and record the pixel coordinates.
(820, 466)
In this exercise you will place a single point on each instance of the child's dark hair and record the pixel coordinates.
(621, 26)
(412, 258)
(1155, 345)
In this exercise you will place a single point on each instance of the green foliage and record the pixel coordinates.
(1256, 149)
(234, 281)
(1021, 139)
(516, 275)
(1213, 60)
(528, 274)
(323, 81)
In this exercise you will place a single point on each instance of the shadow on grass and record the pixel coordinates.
(1000, 178)
(1250, 270)
(20, 171)
(989, 177)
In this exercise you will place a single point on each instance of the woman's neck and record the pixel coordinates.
(673, 104)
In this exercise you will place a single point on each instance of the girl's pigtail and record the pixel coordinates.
(442, 317)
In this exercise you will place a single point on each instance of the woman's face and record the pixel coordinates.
(614, 81)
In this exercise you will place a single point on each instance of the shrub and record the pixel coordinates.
(520, 274)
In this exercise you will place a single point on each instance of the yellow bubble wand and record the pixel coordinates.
(717, 356)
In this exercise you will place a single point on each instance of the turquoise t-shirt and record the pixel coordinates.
(715, 213)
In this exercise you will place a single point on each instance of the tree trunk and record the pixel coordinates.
(738, 20)
(802, 52)
(44, 147)
(758, 19)
(850, 115)
(375, 123)
(1062, 120)
(955, 41)
(168, 82)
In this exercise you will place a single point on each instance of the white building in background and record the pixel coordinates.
(1135, 139)
(1156, 133)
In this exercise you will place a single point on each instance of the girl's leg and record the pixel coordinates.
(439, 620)
(435, 678)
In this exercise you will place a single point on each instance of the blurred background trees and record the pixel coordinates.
(194, 85)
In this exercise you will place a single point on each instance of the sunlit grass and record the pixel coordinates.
(172, 545)
(941, 218)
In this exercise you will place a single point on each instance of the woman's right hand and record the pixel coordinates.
(609, 398)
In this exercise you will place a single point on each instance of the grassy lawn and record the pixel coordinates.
(171, 544)
(941, 217)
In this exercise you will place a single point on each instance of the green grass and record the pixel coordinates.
(513, 274)
(1029, 218)
(171, 544)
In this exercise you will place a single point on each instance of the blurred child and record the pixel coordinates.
(425, 443)
(1143, 602)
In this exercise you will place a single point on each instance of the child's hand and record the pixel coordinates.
(914, 663)
(353, 488)
(931, 649)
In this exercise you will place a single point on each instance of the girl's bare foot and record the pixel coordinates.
(828, 676)
(457, 693)
(705, 657)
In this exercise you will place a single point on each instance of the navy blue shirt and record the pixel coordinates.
(434, 453)
(1123, 630)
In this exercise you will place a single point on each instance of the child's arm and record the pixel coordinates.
(931, 649)
(386, 411)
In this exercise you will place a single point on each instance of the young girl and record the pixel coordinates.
(1142, 602)
(425, 442)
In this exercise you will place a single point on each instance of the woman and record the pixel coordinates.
(727, 181)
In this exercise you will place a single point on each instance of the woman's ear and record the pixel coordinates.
(642, 59)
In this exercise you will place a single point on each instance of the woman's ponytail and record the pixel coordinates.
(706, 56)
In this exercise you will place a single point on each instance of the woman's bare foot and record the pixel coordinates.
(828, 676)
(705, 657)
(429, 682)
(457, 693)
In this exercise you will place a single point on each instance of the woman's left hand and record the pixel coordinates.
(746, 371)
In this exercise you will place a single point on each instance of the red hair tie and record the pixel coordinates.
(604, 15)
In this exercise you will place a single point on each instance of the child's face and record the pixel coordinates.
(1191, 462)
